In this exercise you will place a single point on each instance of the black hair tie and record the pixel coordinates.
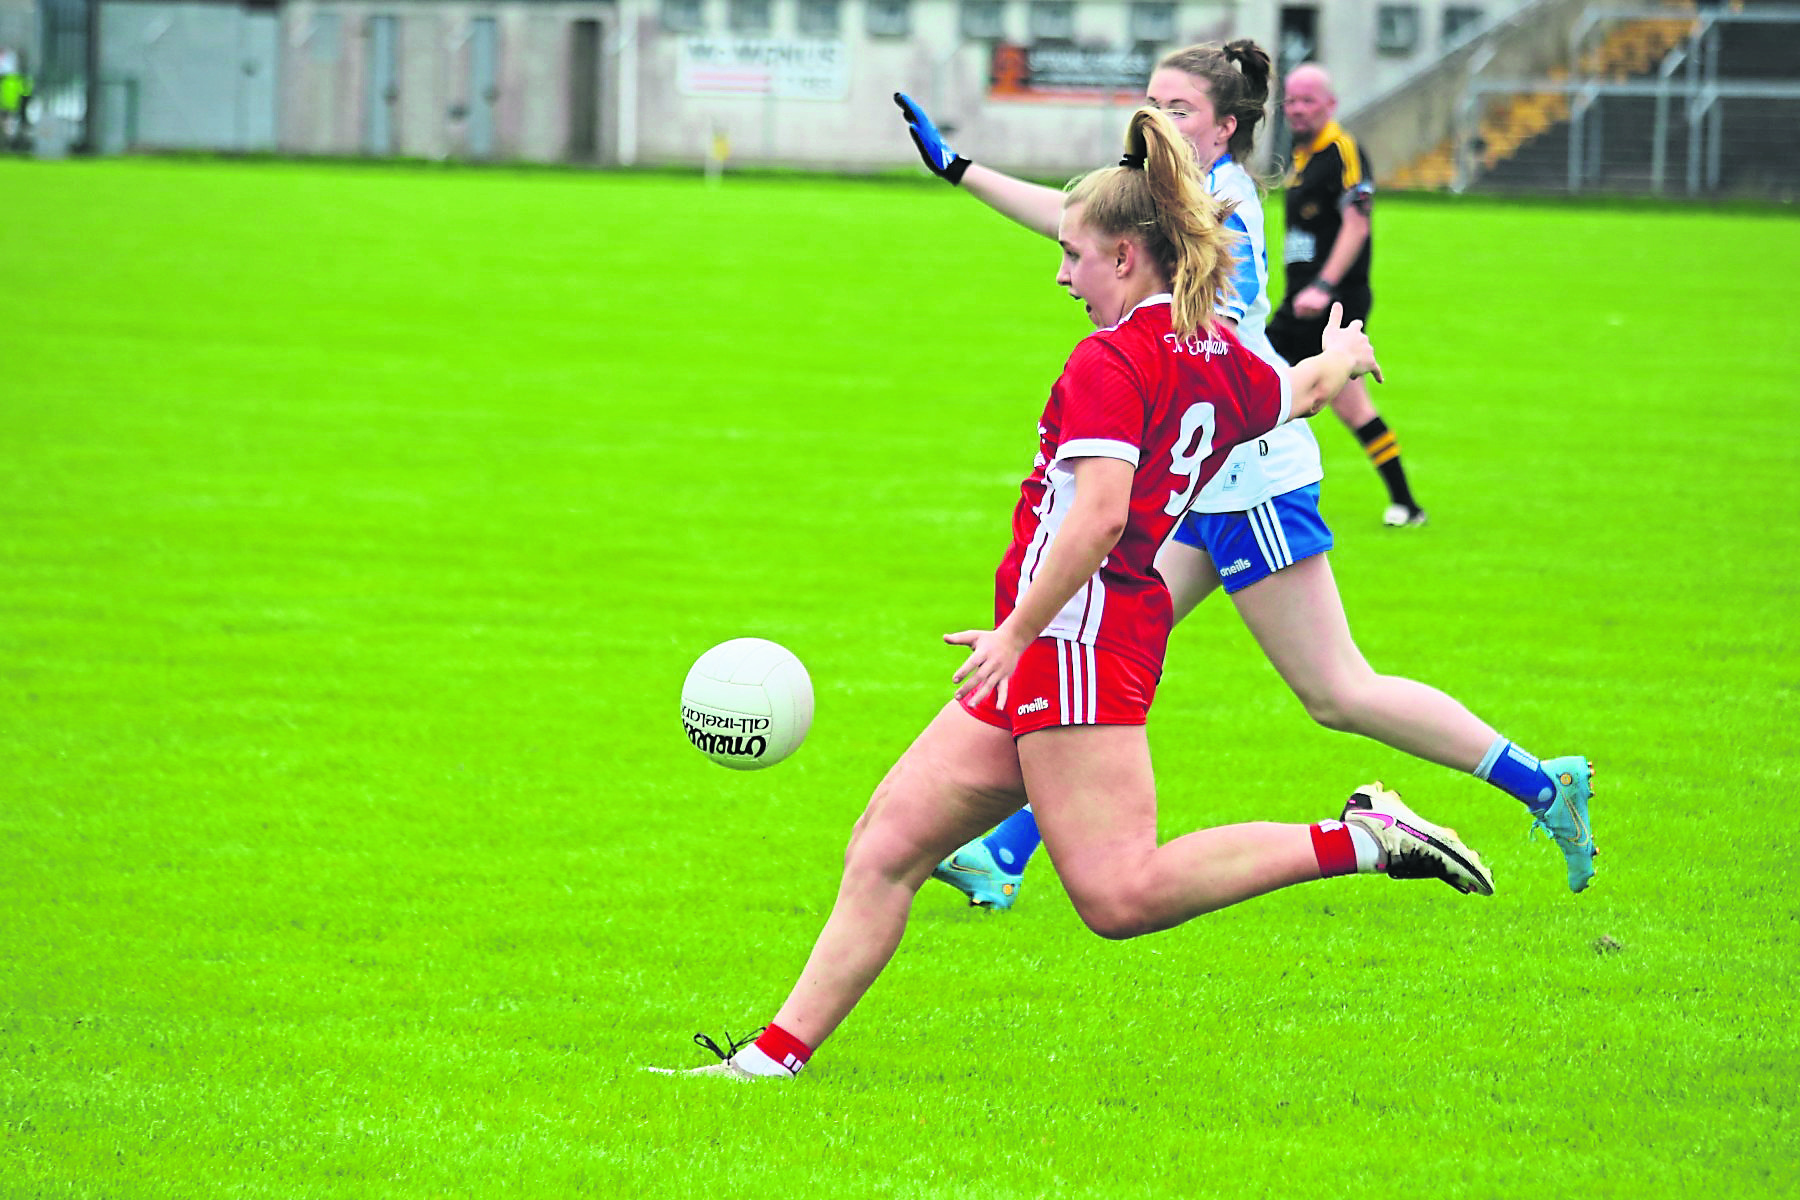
(1133, 161)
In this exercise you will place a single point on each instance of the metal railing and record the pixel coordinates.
(1688, 74)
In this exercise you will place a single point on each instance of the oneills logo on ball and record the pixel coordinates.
(731, 735)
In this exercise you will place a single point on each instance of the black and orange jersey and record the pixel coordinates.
(1327, 177)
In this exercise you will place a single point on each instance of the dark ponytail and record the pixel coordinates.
(1252, 62)
(1236, 77)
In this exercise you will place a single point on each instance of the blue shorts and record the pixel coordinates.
(1253, 545)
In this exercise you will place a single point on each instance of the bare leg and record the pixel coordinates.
(1298, 619)
(1095, 796)
(1189, 574)
(1382, 447)
(958, 778)
(1353, 406)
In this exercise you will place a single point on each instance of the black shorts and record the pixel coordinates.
(1295, 339)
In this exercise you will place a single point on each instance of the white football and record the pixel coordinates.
(747, 703)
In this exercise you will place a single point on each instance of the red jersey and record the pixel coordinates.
(1173, 407)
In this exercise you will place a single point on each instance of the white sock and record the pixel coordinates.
(1368, 851)
(756, 1062)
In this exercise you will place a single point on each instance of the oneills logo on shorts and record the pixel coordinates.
(1242, 564)
(1038, 705)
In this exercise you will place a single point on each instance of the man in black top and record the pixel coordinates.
(1327, 249)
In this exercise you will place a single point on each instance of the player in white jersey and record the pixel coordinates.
(1255, 530)
(1288, 458)
(1052, 700)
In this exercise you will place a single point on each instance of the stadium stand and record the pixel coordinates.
(1702, 101)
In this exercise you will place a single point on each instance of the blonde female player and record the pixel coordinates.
(1051, 703)
(1255, 529)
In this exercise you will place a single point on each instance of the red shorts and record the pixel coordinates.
(1067, 683)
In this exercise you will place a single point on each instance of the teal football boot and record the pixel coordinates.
(973, 872)
(1566, 820)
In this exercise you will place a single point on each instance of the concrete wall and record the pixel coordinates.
(19, 28)
(610, 81)
(1350, 44)
(951, 77)
(648, 107)
(1422, 112)
(935, 64)
(185, 76)
(327, 71)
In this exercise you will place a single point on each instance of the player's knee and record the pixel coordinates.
(885, 845)
(1115, 915)
(1114, 924)
(1330, 704)
(875, 855)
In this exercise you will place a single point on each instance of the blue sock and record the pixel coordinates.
(1015, 841)
(1518, 774)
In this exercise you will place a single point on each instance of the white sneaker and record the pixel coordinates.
(1398, 516)
(726, 1066)
(1414, 848)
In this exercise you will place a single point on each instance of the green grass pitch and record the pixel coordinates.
(359, 525)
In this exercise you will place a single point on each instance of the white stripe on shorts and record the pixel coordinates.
(1271, 539)
(1093, 691)
(1078, 689)
(1062, 680)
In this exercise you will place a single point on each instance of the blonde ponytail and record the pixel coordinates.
(1155, 197)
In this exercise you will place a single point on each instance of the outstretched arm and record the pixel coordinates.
(1036, 207)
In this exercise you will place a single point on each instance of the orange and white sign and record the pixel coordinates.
(1068, 74)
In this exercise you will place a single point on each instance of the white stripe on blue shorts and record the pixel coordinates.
(1265, 523)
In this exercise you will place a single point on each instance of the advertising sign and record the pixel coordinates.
(1065, 73)
(786, 68)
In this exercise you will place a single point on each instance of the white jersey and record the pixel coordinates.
(1288, 457)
